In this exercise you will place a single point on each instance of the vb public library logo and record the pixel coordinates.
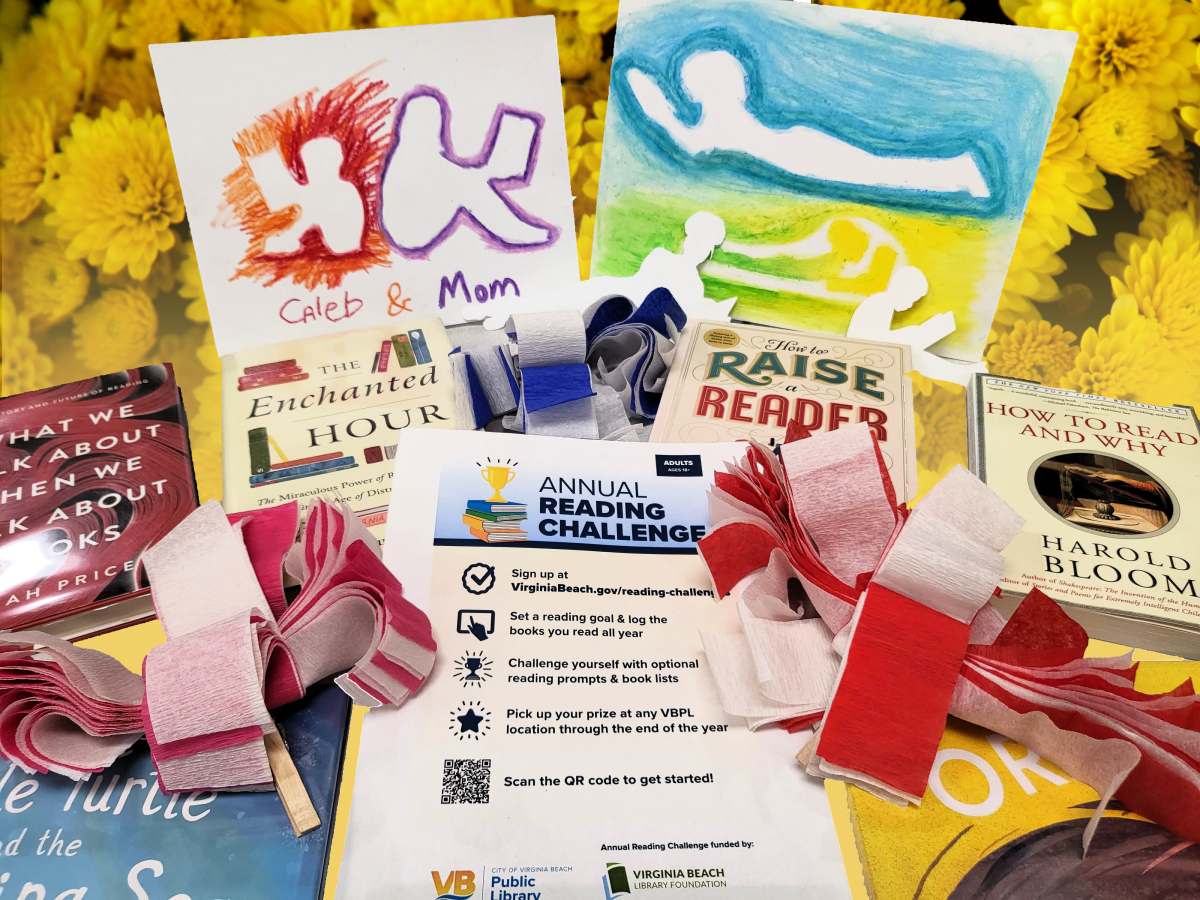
(458, 884)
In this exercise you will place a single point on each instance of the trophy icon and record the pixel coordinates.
(472, 671)
(497, 477)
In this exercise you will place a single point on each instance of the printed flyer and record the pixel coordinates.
(570, 741)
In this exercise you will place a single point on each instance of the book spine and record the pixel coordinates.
(305, 461)
(385, 354)
(404, 354)
(420, 349)
(260, 451)
(301, 471)
(267, 382)
(269, 367)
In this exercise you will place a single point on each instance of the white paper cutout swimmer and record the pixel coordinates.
(717, 81)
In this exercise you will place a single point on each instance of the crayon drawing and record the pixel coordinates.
(853, 156)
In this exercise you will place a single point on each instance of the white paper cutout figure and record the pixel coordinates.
(717, 81)
(326, 201)
(661, 268)
(872, 321)
(429, 190)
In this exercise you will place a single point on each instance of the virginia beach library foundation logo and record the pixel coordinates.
(621, 882)
(496, 520)
(457, 885)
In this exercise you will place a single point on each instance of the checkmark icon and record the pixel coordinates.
(479, 578)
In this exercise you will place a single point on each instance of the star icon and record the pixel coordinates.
(469, 721)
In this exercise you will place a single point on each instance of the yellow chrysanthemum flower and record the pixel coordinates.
(1067, 179)
(583, 244)
(160, 279)
(127, 79)
(147, 22)
(578, 52)
(929, 476)
(1123, 359)
(180, 351)
(1163, 278)
(1155, 226)
(27, 129)
(208, 405)
(591, 89)
(595, 16)
(22, 368)
(1119, 132)
(270, 17)
(1169, 185)
(574, 120)
(190, 286)
(52, 286)
(1030, 277)
(940, 9)
(389, 13)
(943, 415)
(114, 191)
(1143, 45)
(1035, 351)
(58, 58)
(115, 331)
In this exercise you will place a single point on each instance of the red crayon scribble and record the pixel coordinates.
(353, 114)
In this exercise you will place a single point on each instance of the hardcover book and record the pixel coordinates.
(92, 473)
(116, 835)
(321, 416)
(732, 381)
(1110, 492)
(997, 822)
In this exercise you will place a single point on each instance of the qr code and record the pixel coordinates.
(466, 780)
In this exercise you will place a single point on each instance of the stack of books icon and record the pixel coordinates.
(495, 523)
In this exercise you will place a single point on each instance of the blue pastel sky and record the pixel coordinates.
(892, 85)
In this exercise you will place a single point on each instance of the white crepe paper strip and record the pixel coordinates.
(492, 361)
(947, 556)
(202, 553)
(733, 670)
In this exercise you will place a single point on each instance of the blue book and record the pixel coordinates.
(420, 349)
(303, 471)
(116, 829)
(485, 506)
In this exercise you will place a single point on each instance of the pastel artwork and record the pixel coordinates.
(852, 155)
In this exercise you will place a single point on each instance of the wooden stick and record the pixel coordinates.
(296, 802)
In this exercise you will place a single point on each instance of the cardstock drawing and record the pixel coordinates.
(848, 153)
(328, 175)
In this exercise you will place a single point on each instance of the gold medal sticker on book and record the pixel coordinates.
(321, 417)
(999, 822)
(731, 381)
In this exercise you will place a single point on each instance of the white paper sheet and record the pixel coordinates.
(753, 826)
(431, 160)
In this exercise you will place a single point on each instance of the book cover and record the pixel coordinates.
(102, 836)
(1110, 493)
(91, 474)
(999, 823)
(731, 381)
(333, 431)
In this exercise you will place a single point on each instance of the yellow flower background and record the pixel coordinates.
(99, 273)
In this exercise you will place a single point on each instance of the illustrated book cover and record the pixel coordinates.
(115, 835)
(92, 474)
(872, 170)
(997, 822)
(321, 417)
(1110, 493)
(733, 381)
(348, 179)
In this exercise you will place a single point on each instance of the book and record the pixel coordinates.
(335, 432)
(92, 473)
(998, 822)
(499, 537)
(114, 830)
(1110, 493)
(483, 506)
(580, 684)
(494, 517)
(730, 381)
(484, 525)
